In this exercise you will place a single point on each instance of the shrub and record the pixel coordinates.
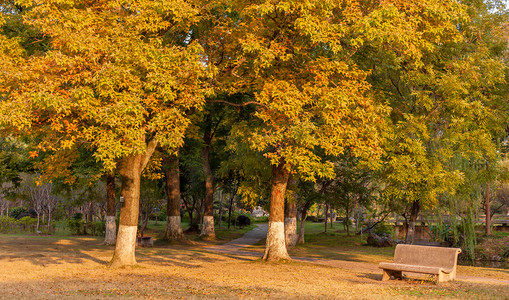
(16, 211)
(79, 227)
(311, 219)
(161, 215)
(28, 223)
(10, 224)
(263, 219)
(346, 221)
(77, 216)
(382, 228)
(98, 228)
(7, 224)
(75, 226)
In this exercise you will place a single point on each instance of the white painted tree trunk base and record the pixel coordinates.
(275, 248)
(174, 230)
(207, 229)
(125, 248)
(291, 235)
(111, 231)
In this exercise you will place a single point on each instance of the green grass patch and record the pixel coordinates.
(336, 244)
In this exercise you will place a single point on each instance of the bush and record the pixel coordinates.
(98, 228)
(263, 219)
(346, 221)
(77, 216)
(311, 219)
(382, 228)
(7, 224)
(11, 225)
(161, 215)
(28, 223)
(79, 227)
(75, 226)
(16, 211)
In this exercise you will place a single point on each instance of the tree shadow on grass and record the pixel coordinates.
(50, 258)
(372, 276)
(44, 251)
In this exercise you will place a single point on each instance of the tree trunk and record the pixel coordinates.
(488, 210)
(38, 222)
(331, 210)
(291, 222)
(347, 221)
(89, 214)
(230, 211)
(220, 209)
(414, 212)
(300, 239)
(207, 230)
(144, 223)
(325, 209)
(130, 169)
(49, 222)
(275, 249)
(291, 215)
(111, 211)
(173, 222)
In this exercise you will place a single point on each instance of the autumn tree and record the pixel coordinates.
(118, 78)
(307, 93)
(443, 86)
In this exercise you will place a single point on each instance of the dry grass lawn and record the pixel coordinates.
(35, 267)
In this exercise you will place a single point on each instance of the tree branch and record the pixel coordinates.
(237, 104)
(151, 147)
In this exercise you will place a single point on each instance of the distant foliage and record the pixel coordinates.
(75, 226)
(79, 227)
(16, 211)
(384, 228)
(13, 225)
(77, 216)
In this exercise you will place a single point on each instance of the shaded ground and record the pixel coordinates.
(75, 268)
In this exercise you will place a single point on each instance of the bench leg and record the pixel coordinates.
(440, 278)
(386, 276)
(388, 273)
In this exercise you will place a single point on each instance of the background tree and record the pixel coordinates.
(444, 96)
(122, 86)
(171, 168)
(40, 196)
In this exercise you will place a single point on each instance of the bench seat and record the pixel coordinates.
(438, 261)
(414, 268)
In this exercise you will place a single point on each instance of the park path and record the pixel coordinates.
(249, 238)
(260, 232)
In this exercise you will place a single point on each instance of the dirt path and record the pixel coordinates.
(260, 232)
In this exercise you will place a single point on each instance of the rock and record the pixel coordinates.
(380, 241)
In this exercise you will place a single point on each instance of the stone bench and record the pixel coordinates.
(145, 241)
(438, 261)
